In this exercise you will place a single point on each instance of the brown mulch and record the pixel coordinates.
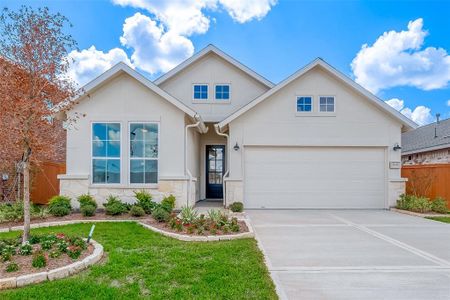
(102, 216)
(25, 267)
(164, 226)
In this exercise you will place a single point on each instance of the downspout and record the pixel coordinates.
(199, 124)
(227, 159)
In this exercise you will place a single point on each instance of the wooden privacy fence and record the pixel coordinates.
(45, 183)
(430, 181)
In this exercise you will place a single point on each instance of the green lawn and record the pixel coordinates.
(440, 219)
(143, 264)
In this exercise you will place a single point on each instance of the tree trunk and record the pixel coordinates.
(26, 200)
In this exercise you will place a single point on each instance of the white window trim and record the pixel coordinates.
(302, 113)
(222, 101)
(143, 185)
(326, 112)
(200, 100)
(91, 172)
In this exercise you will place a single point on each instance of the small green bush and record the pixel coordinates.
(39, 260)
(168, 203)
(39, 211)
(26, 249)
(35, 239)
(160, 214)
(88, 210)
(137, 211)
(74, 251)
(114, 206)
(59, 206)
(54, 253)
(237, 207)
(144, 200)
(439, 205)
(12, 267)
(414, 203)
(11, 212)
(86, 199)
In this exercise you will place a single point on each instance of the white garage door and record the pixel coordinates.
(314, 177)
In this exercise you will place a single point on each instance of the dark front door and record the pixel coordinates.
(215, 167)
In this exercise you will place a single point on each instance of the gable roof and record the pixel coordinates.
(425, 138)
(213, 49)
(121, 68)
(320, 62)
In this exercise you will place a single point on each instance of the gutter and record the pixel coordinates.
(203, 129)
(227, 158)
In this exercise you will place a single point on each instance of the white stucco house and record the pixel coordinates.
(212, 128)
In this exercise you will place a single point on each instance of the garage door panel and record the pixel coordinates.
(290, 177)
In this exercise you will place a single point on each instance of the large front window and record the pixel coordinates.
(144, 153)
(106, 153)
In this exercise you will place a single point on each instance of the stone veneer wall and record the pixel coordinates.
(73, 187)
(395, 189)
(234, 190)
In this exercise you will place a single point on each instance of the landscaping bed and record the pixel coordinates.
(41, 254)
(141, 264)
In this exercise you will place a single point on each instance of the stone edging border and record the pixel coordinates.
(59, 273)
(178, 236)
(416, 214)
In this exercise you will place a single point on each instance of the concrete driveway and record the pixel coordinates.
(348, 254)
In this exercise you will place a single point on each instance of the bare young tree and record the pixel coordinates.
(34, 52)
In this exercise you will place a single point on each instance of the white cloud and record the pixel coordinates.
(398, 59)
(161, 41)
(244, 11)
(154, 49)
(90, 63)
(448, 102)
(184, 17)
(421, 114)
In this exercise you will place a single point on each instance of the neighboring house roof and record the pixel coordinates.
(213, 49)
(124, 68)
(320, 62)
(430, 137)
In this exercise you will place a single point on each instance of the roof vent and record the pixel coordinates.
(438, 115)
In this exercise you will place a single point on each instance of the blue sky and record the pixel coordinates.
(275, 38)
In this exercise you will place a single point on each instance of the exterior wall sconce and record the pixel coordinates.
(396, 147)
(236, 147)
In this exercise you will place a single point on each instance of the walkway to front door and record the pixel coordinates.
(215, 162)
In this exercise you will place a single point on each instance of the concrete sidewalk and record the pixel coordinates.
(354, 254)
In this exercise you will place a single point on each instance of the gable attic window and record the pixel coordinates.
(222, 92)
(106, 153)
(304, 104)
(200, 91)
(326, 104)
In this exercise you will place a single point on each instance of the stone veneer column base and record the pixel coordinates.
(234, 190)
(396, 187)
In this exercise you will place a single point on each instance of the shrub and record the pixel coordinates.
(144, 200)
(137, 211)
(73, 251)
(12, 267)
(414, 203)
(11, 212)
(6, 256)
(160, 214)
(88, 210)
(78, 242)
(168, 203)
(39, 211)
(25, 249)
(39, 260)
(439, 205)
(114, 206)
(188, 215)
(86, 199)
(62, 246)
(54, 253)
(35, 239)
(59, 206)
(237, 207)
(234, 225)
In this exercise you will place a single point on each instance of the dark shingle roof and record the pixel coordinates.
(422, 138)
